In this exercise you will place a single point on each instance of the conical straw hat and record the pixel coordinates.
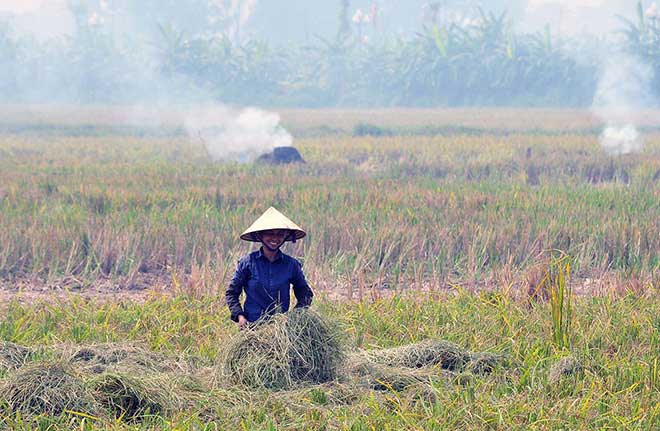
(272, 219)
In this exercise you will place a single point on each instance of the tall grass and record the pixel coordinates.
(556, 286)
(386, 216)
(615, 340)
(423, 209)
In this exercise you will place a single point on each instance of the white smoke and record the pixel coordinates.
(41, 19)
(624, 85)
(235, 13)
(575, 17)
(242, 135)
(20, 7)
(621, 140)
(227, 133)
(623, 90)
(247, 9)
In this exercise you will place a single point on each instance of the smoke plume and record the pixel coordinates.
(227, 133)
(623, 88)
(236, 135)
(576, 17)
(40, 19)
(622, 91)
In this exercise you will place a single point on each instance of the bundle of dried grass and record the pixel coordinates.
(259, 357)
(316, 353)
(50, 388)
(426, 353)
(484, 362)
(99, 358)
(333, 393)
(13, 356)
(386, 378)
(129, 397)
(288, 349)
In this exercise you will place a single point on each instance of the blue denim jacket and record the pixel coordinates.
(267, 286)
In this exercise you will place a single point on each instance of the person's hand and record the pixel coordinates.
(242, 322)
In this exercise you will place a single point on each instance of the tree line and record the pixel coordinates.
(481, 62)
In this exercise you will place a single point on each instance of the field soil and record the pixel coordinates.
(508, 234)
(28, 289)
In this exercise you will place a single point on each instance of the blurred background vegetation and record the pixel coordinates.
(115, 54)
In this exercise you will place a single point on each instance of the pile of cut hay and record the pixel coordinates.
(317, 349)
(292, 348)
(427, 353)
(99, 358)
(380, 377)
(124, 381)
(302, 347)
(299, 354)
(47, 388)
(484, 362)
(130, 397)
(13, 356)
(416, 364)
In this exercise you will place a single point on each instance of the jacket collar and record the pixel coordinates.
(260, 254)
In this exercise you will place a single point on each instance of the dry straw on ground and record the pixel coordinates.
(300, 355)
(47, 388)
(484, 362)
(130, 396)
(98, 358)
(292, 348)
(380, 377)
(13, 356)
(118, 380)
(426, 353)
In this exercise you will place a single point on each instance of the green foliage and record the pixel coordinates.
(481, 63)
(643, 41)
(487, 64)
(610, 378)
(458, 205)
(556, 283)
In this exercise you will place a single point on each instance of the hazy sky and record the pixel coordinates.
(570, 17)
(22, 6)
(303, 20)
(273, 21)
(40, 18)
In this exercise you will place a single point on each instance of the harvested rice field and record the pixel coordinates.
(472, 269)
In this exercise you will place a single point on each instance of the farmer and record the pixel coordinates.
(266, 275)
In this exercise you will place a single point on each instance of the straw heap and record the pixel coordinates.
(13, 356)
(290, 353)
(130, 397)
(289, 348)
(47, 388)
(424, 354)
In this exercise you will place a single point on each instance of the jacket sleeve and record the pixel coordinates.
(235, 288)
(301, 289)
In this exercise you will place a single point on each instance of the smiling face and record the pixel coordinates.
(273, 239)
